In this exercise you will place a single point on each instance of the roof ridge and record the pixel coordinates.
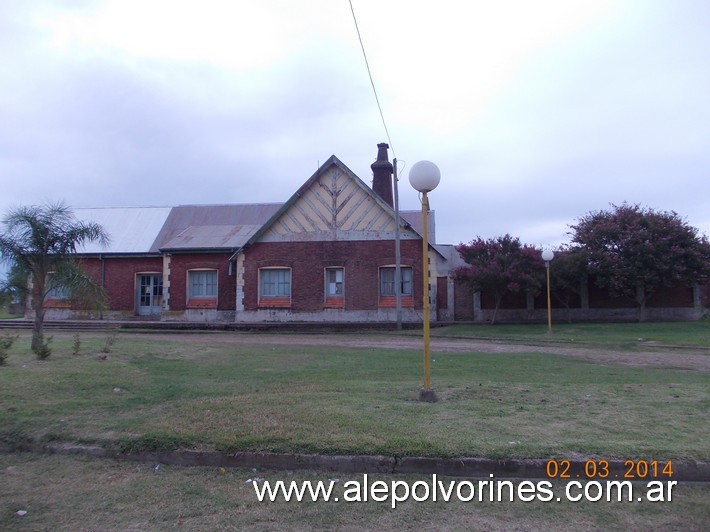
(229, 204)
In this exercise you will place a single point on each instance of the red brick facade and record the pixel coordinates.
(307, 261)
(181, 264)
(117, 275)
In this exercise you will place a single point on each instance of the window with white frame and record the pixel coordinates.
(334, 282)
(202, 284)
(275, 282)
(387, 284)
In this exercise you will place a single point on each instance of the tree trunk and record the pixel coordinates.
(568, 307)
(38, 346)
(499, 298)
(641, 301)
(38, 326)
(642, 312)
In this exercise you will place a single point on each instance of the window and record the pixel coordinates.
(58, 295)
(56, 291)
(203, 284)
(275, 282)
(334, 282)
(387, 281)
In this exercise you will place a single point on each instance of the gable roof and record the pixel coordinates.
(186, 227)
(414, 220)
(334, 203)
(356, 212)
(130, 229)
(207, 227)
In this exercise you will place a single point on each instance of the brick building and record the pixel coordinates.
(326, 254)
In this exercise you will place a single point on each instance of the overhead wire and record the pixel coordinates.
(396, 195)
(372, 82)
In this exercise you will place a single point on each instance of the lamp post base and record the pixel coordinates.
(427, 396)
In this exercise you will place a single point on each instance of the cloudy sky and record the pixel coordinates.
(535, 112)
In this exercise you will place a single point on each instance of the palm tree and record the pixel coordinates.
(40, 242)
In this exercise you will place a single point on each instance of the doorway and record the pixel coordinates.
(149, 296)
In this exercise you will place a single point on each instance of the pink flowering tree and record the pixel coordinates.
(634, 251)
(500, 265)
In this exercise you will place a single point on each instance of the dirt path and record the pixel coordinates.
(668, 357)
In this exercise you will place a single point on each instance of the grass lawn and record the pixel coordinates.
(221, 390)
(241, 391)
(78, 494)
(618, 335)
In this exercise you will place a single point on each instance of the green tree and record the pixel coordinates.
(634, 251)
(501, 265)
(568, 271)
(40, 243)
(14, 287)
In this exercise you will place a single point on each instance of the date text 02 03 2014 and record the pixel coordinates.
(603, 469)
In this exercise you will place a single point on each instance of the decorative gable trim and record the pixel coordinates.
(334, 204)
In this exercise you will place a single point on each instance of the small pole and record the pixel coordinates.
(397, 252)
(427, 394)
(547, 256)
(549, 306)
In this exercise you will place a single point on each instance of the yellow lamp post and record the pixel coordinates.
(424, 176)
(547, 256)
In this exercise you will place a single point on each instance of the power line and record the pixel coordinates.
(369, 73)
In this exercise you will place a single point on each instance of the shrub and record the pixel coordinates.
(108, 343)
(6, 341)
(76, 346)
(43, 351)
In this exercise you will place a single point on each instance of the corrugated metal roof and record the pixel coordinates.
(130, 229)
(151, 229)
(414, 218)
(213, 226)
(212, 237)
(453, 257)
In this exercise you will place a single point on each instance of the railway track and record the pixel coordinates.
(102, 325)
(24, 324)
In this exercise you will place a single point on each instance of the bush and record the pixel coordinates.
(110, 340)
(44, 350)
(6, 341)
(76, 346)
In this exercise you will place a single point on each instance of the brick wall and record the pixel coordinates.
(119, 277)
(463, 301)
(675, 297)
(672, 297)
(667, 303)
(308, 260)
(180, 264)
(511, 300)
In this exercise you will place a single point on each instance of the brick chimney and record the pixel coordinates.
(382, 170)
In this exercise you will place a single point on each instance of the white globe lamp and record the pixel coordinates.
(424, 176)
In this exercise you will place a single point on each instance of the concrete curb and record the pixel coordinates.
(683, 470)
